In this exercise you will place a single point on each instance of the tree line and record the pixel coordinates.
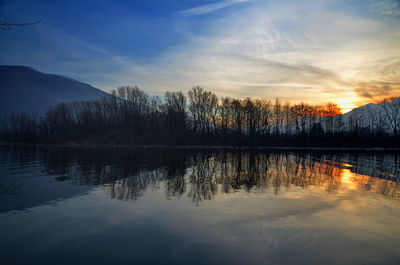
(130, 115)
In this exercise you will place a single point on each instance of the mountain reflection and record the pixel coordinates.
(127, 173)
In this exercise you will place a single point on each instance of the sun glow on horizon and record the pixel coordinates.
(348, 102)
(347, 107)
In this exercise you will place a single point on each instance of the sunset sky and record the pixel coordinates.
(343, 51)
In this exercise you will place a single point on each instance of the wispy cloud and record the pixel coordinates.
(377, 90)
(323, 55)
(298, 51)
(209, 8)
(384, 81)
(388, 7)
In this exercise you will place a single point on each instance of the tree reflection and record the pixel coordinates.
(126, 173)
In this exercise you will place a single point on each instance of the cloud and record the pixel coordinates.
(377, 90)
(318, 55)
(209, 8)
(277, 51)
(379, 80)
(298, 51)
(388, 7)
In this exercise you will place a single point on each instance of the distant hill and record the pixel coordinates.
(366, 110)
(26, 89)
(372, 115)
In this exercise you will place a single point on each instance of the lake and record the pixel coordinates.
(61, 205)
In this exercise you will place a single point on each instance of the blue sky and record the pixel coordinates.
(317, 51)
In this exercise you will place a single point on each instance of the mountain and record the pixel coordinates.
(26, 89)
(373, 116)
(368, 109)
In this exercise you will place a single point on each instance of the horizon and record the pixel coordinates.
(345, 52)
(342, 110)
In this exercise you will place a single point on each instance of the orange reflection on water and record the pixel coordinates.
(340, 164)
(355, 181)
(346, 165)
(348, 179)
(230, 172)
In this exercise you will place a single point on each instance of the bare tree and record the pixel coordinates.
(391, 107)
(176, 111)
(4, 25)
(7, 25)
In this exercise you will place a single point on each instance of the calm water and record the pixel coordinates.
(174, 206)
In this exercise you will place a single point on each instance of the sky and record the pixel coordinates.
(343, 51)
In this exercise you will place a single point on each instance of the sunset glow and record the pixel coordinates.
(349, 101)
(347, 107)
(311, 51)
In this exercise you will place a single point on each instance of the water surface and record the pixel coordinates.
(179, 206)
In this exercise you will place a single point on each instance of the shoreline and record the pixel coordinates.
(212, 147)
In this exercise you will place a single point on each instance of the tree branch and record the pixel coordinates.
(8, 25)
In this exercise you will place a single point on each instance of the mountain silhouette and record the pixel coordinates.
(25, 89)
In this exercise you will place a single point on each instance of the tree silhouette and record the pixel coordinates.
(7, 25)
(131, 116)
(391, 107)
